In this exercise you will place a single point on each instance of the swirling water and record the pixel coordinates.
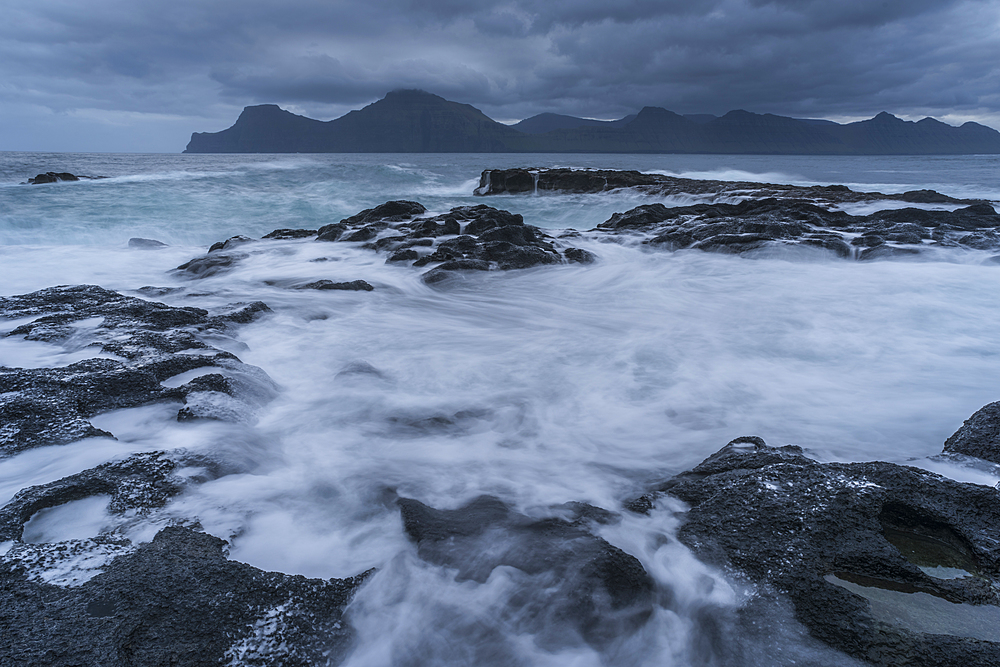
(574, 383)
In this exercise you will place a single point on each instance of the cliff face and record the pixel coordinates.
(413, 121)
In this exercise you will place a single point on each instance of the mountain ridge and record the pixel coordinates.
(415, 121)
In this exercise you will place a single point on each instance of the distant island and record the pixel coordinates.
(415, 121)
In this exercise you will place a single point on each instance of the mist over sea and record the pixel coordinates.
(573, 382)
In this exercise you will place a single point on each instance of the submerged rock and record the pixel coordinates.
(145, 244)
(575, 579)
(145, 343)
(352, 286)
(868, 553)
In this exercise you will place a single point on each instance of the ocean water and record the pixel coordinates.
(574, 383)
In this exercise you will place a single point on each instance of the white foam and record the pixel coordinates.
(75, 520)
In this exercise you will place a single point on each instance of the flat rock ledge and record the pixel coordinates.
(174, 601)
(535, 180)
(890, 564)
(137, 345)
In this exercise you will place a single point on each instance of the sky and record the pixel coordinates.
(127, 76)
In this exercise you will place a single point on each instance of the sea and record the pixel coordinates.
(587, 383)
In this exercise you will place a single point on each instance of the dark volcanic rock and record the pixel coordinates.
(447, 269)
(576, 579)
(52, 177)
(230, 243)
(514, 181)
(501, 181)
(979, 436)
(352, 286)
(290, 234)
(138, 484)
(466, 237)
(755, 224)
(391, 211)
(174, 601)
(211, 264)
(832, 537)
(151, 342)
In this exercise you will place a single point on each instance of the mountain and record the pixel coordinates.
(404, 121)
(414, 121)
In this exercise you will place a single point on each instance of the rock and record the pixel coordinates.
(174, 601)
(579, 255)
(331, 232)
(151, 342)
(211, 264)
(979, 436)
(137, 484)
(447, 269)
(145, 244)
(353, 286)
(52, 177)
(366, 233)
(576, 579)
(290, 234)
(403, 256)
(391, 211)
(754, 224)
(887, 252)
(478, 237)
(230, 243)
(519, 181)
(832, 537)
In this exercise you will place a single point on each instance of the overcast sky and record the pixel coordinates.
(128, 75)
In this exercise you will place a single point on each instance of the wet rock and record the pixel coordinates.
(755, 224)
(230, 243)
(150, 343)
(391, 211)
(331, 232)
(352, 286)
(573, 578)
(136, 485)
(366, 233)
(988, 240)
(211, 264)
(868, 241)
(52, 177)
(979, 436)
(403, 256)
(579, 255)
(290, 234)
(514, 181)
(849, 544)
(145, 244)
(447, 269)
(887, 252)
(504, 181)
(472, 235)
(174, 601)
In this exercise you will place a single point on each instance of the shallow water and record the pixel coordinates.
(539, 386)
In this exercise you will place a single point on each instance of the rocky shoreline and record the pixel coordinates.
(886, 563)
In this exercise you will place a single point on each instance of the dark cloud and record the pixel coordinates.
(129, 65)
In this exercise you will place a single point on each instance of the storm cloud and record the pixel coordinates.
(117, 75)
